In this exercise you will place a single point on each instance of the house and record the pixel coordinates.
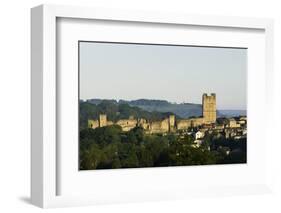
(199, 135)
(232, 123)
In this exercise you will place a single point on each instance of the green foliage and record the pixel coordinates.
(237, 150)
(90, 158)
(109, 148)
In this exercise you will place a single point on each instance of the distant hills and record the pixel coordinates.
(232, 113)
(182, 110)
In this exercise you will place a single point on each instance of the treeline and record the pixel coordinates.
(109, 148)
(183, 110)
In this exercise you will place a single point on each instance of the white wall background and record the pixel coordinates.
(15, 104)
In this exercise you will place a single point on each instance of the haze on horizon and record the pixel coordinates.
(177, 74)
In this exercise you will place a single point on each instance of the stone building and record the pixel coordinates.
(102, 121)
(232, 123)
(199, 135)
(209, 108)
(127, 124)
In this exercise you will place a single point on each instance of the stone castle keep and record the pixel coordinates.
(169, 124)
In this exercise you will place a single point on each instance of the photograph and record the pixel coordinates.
(160, 105)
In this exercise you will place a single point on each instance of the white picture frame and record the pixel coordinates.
(44, 148)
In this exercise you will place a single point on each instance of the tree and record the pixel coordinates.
(109, 157)
(127, 155)
(145, 158)
(90, 158)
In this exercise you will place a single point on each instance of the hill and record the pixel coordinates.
(232, 113)
(183, 110)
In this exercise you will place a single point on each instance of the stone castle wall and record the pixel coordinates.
(183, 124)
(93, 124)
(127, 124)
(187, 123)
(169, 124)
(102, 121)
(159, 126)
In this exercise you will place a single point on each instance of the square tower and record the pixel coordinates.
(102, 120)
(172, 122)
(209, 108)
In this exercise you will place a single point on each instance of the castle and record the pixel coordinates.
(169, 124)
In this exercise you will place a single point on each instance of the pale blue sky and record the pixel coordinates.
(173, 73)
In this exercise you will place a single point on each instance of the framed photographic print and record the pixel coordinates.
(154, 126)
(130, 106)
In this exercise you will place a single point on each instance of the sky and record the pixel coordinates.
(173, 73)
